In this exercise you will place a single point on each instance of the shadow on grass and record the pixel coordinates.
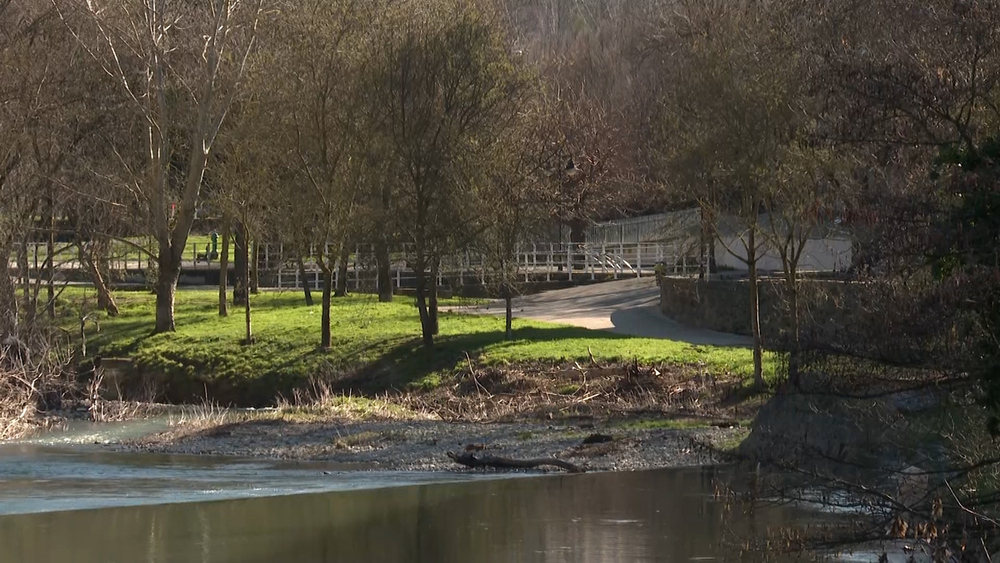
(409, 363)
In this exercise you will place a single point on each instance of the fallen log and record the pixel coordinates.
(471, 460)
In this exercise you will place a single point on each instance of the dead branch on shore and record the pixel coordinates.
(540, 390)
(470, 460)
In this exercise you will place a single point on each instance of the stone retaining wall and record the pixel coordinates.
(724, 305)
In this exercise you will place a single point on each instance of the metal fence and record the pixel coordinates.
(122, 257)
(535, 262)
(663, 227)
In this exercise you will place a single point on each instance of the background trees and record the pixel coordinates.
(589, 77)
(373, 121)
(902, 100)
(54, 115)
(447, 125)
(12, 210)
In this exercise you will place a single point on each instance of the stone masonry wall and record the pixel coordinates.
(724, 305)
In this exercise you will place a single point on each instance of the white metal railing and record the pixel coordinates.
(122, 256)
(538, 261)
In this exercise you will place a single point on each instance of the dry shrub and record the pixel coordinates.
(540, 390)
(33, 382)
(321, 402)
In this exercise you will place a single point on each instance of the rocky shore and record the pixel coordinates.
(424, 444)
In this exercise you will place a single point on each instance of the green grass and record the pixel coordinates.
(732, 442)
(377, 342)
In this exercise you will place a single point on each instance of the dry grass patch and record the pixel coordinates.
(539, 390)
(321, 403)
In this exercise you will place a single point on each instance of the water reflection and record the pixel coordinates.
(665, 515)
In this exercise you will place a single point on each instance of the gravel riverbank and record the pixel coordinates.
(424, 444)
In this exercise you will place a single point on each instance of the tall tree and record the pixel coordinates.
(737, 137)
(513, 202)
(318, 132)
(181, 66)
(443, 81)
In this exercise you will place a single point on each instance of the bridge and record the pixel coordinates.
(277, 266)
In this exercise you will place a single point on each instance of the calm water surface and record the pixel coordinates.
(664, 515)
(62, 501)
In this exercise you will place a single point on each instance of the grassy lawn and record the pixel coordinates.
(375, 344)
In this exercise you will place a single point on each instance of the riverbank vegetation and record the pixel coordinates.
(375, 350)
(430, 128)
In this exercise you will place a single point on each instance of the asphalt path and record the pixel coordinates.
(623, 306)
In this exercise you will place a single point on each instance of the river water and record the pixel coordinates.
(65, 501)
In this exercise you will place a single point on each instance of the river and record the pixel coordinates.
(66, 501)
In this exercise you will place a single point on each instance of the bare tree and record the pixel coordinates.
(513, 200)
(50, 119)
(180, 65)
(907, 98)
(722, 129)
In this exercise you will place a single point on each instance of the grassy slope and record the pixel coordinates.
(205, 352)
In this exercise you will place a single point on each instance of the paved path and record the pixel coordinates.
(623, 306)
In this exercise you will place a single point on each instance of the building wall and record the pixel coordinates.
(831, 254)
(680, 234)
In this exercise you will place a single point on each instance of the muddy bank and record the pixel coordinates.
(600, 417)
(423, 444)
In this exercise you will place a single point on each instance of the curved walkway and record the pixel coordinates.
(624, 306)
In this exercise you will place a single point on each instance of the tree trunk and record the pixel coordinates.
(8, 299)
(758, 371)
(25, 275)
(342, 272)
(254, 268)
(241, 261)
(105, 300)
(577, 238)
(709, 232)
(510, 318)
(702, 267)
(713, 268)
(305, 281)
(224, 271)
(382, 252)
(246, 306)
(508, 302)
(384, 272)
(793, 314)
(166, 287)
(325, 338)
(426, 329)
(432, 311)
(50, 271)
